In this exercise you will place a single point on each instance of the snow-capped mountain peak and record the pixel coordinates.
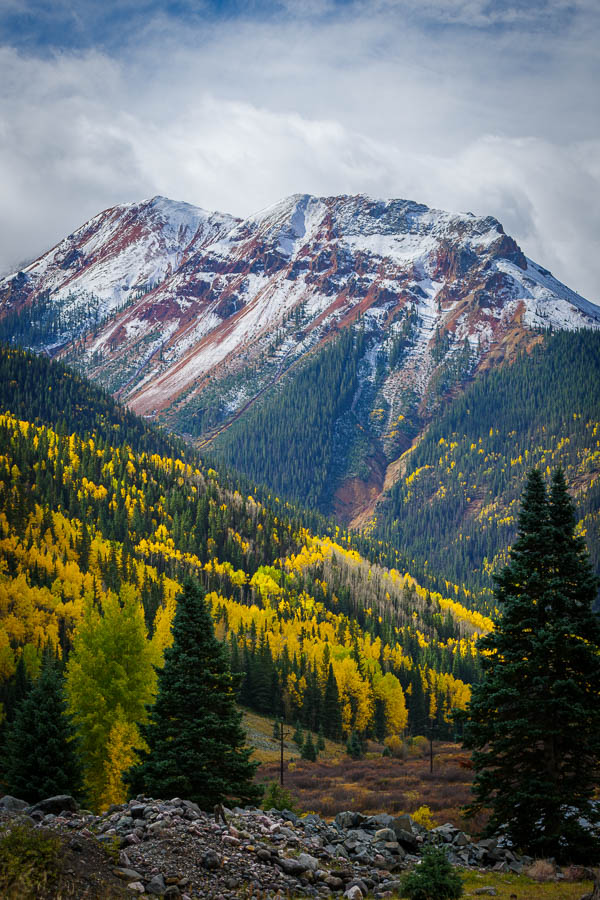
(178, 309)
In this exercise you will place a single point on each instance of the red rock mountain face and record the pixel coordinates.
(174, 308)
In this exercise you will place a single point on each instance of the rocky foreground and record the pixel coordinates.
(173, 849)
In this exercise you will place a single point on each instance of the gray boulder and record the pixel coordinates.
(157, 886)
(59, 803)
(12, 804)
(308, 862)
(291, 866)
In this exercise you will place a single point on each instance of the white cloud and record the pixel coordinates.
(235, 116)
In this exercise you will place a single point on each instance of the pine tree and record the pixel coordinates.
(39, 753)
(534, 723)
(320, 740)
(308, 748)
(433, 879)
(332, 714)
(194, 736)
(354, 747)
(298, 736)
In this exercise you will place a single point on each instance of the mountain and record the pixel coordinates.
(310, 346)
(452, 508)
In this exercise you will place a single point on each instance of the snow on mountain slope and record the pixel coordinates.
(189, 315)
(115, 257)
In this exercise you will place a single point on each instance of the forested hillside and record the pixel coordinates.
(48, 393)
(95, 537)
(293, 440)
(453, 508)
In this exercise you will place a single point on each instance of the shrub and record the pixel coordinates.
(396, 747)
(419, 746)
(433, 878)
(541, 870)
(29, 862)
(422, 816)
(277, 797)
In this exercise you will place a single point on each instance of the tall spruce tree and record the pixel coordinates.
(534, 720)
(39, 754)
(332, 714)
(196, 745)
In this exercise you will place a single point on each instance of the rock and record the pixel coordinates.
(390, 885)
(445, 832)
(384, 834)
(288, 816)
(311, 819)
(405, 823)
(382, 820)
(488, 843)
(210, 859)
(12, 804)
(461, 839)
(346, 819)
(406, 838)
(157, 886)
(290, 866)
(394, 848)
(189, 804)
(136, 887)
(127, 874)
(172, 891)
(59, 803)
(354, 893)
(231, 840)
(486, 891)
(309, 862)
(136, 811)
(132, 839)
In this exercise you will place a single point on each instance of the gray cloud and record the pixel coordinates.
(234, 115)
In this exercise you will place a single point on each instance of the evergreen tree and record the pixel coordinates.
(320, 740)
(433, 879)
(308, 749)
(332, 714)
(194, 736)
(535, 718)
(354, 747)
(298, 735)
(39, 754)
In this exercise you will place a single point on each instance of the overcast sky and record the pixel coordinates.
(491, 107)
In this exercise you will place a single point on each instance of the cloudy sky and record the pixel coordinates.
(480, 105)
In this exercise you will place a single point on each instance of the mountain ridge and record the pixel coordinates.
(194, 318)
